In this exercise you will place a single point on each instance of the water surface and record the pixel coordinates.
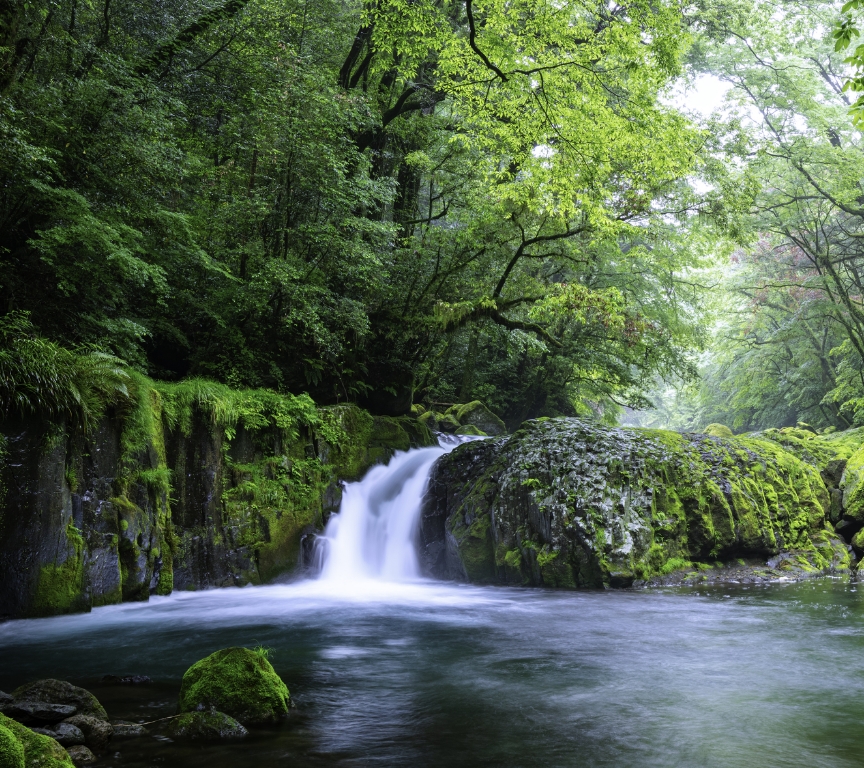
(428, 674)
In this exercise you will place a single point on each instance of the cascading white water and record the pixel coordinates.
(374, 534)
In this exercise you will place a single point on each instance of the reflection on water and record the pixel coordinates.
(426, 674)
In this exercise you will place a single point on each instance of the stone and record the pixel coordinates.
(96, 732)
(28, 711)
(11, 750)
(430, 420)
(480, 416)
(470, 429)
(80, 755)
(448, 423)
(239, 682)
(68, 735)
(40, 751)
(60, 692)
(123, 729)
(718, 430)
(206, 726)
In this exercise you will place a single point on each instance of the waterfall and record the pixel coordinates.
(374, 534)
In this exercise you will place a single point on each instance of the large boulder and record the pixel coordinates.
(39, 751)
(480, 416)
(51, 699)
(206, 726)
(239, 682)
(563, 502)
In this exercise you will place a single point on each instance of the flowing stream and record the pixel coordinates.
(388, 669)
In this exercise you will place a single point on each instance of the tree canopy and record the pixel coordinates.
(392, 202)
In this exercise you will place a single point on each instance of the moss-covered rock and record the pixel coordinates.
(11, 749)
(51, 691)
(206, 726)
(480, 416)
(470, 429)
(718, 430)
(39, 751)
(237, 681)
(580, 505)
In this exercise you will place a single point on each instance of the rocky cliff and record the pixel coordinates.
(566, 503)
(180, 486)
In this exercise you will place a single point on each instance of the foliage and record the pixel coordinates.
(788, 341)
(366, 202)
(38, 376)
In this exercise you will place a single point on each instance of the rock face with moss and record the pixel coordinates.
(179, 486)
(569, 504)
(238, 682)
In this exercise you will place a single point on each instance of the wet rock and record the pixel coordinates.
(206, 726)
(123, 729)
(40, 751)
(80, 755)
(478, 415)
(448, 423)
(127, 679)
(470, 429)
(5, 700)
(96, 732)
(29, 711)
(50, 691)
(11, 750)
(568, 503)
(237, 681)
(65, 733)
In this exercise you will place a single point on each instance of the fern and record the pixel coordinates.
(39, 377)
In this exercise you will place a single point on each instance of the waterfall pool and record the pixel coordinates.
(427, 674)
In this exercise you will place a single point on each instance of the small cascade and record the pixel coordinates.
(374, 535)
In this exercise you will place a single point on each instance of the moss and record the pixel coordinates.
(60, 586)
(718, 430)
(475, 548)
(470, 429)
(478, 414)
(11, 749)
(239, 682)
(39, 751)
(675, 564)
(513, 558)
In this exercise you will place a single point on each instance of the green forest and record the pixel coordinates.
(404, 202)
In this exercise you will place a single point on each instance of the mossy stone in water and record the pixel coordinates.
(718, 430)
(206, 726)
(11, 750)
(237, 681)
(61, 692)
(39, 751)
